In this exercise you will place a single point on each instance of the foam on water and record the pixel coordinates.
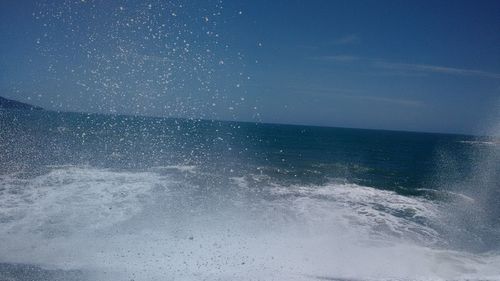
(158, 225)
(381, 212)
(72, 199)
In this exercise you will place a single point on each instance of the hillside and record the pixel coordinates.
(12, 104)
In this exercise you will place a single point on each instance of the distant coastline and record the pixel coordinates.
(12, 104)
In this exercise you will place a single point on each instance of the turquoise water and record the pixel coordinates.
(122, 197)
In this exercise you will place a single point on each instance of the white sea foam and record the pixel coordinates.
(180, 168)
(122, 225)
(448, 193)
(379, 212)
(66, 202)
(476, 142)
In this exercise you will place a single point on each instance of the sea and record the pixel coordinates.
(112, 197)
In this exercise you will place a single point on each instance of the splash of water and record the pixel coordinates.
(165, 58)
(118, 225)
(473, 224)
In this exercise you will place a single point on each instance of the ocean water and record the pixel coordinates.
(94, 197)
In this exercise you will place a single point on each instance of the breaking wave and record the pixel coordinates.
(166, 223)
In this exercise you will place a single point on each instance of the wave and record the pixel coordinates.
(180, 168)
(448, 194)
(166, 223)
(477, 142)
(381, 212)
(72, 199)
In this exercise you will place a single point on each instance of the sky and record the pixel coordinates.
(400, 65)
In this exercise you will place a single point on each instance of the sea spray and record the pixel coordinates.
(154, 199)
(476, 224)
(162, 58)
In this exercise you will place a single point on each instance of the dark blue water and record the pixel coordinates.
(385, 159)
(72, 181)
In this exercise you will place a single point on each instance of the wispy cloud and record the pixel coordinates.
(398, 101)
(437, 69)
(338, 58)
(356, 95)
(308, 47)
(409, 67)
(345, 40)
(349, 39)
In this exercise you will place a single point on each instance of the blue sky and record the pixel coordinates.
(403, 65)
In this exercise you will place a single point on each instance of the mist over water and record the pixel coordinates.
(148, 201)
(478, 213)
